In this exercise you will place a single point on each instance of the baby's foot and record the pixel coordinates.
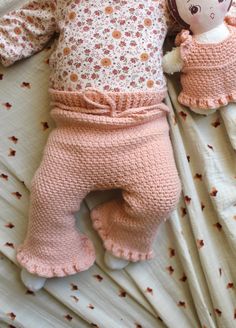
(114, 263)
(31, 281)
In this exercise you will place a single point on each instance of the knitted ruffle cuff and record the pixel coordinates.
(113, 246)
(74, 265)
(206, 103)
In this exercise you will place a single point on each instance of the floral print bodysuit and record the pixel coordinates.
(111, 45)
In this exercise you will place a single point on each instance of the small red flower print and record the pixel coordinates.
(187, 199)
(11, 315)
(74, 287)
(133, 43)
(13, 139)
(29, 19)
(149, 290)
(170, 270)
(122, 22)
(213, 192)
(17, 194)
(230, 285)
(122, 293)
(75, 298)
(216, 123)
(90, 306)
(26, 85)
(9, 225)
(68, 317)
(211, 147)
(183, 211)
(218, 312)
(4, 176)
(182, 304)
(171, 252)
(183, 278)
(218, 226)
(183, 115)
(200, 243)
(29, 292)
(98, 277)
(11, 152)
(202, 206)
(8, 244)
(198, 176)
(140, 27)
(45, 125)
(7, 105)
(122, 44)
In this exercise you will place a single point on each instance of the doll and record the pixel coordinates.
(205, 57)
(106, 89)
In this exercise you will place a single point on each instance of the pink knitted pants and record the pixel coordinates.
(100, 143)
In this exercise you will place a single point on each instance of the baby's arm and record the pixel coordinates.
(25, 31)
(172, 61)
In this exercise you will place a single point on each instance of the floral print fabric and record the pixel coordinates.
(111, 45)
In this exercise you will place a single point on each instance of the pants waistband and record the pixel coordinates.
(113, 104)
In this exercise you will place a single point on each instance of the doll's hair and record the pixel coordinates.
(174, 12)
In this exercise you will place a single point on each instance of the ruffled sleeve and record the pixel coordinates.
(231, 20)
(183, 37)
(184, 40)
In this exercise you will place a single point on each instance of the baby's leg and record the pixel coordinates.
(53, 245)
(151, 189)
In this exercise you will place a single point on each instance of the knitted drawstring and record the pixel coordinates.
(110, 108)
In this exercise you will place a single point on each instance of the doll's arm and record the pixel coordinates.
(172, 61)
(26, 30)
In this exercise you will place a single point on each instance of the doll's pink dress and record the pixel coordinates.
(208, 77)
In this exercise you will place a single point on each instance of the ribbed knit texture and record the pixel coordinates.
(119, 147)
(209, 74)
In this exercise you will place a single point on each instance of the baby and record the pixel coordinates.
(106, 88)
